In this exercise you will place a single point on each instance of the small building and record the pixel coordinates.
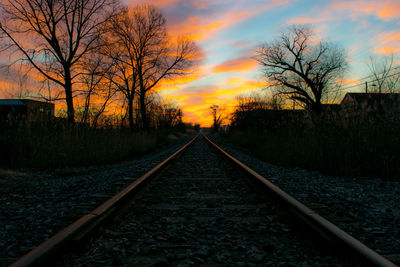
(25, 109)
(364, 107)
(371, 102)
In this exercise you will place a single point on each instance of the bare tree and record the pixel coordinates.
(217, 114)
(275, 102)
(257, 100)
(96, 86)
(301, 69)
(169, 115)
(54, 35)
(158, 58)
(147, 55)
(119, 47)
(385, 75)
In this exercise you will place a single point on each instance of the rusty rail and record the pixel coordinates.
(82, 227)
(323, 227)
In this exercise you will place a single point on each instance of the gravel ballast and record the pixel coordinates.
(368, 209)
(36, 205)
(202, 212)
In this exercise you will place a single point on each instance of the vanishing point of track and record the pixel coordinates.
(201, 206)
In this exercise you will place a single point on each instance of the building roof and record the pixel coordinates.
(12, 102)
(374, 97)
(20, 102)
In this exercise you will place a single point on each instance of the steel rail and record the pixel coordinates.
(85, 225)
(323, 227)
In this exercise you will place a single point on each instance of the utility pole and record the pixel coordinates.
(366, 87)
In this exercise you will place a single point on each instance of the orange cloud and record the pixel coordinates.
(177, 82)
(201, 113)
(8, 89)
(350, 81)
(236, 65)
(157, 3)
(196, 101)
(195, 28)
(235, 86)
(388, 9)
(200, 28)
(388, 43)
(304, 20)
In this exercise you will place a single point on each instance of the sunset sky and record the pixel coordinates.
(228, 31)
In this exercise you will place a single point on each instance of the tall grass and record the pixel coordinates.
(37, 145)
(349, 148)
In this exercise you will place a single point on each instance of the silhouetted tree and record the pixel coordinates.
(97, 86)
(254, 110)
(301, 68)
(119, 47)
(385, 75)
(258, 101)
(54, 35)
(152, 53)
(169, 115)
(217, 115)
(143, 55)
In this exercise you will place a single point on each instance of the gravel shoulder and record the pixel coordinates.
(368, 209)
(201, 212)
(34, 206)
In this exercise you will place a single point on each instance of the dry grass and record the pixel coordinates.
(55, 146)
(349, 146)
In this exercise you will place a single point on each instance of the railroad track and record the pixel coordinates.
(201, 207)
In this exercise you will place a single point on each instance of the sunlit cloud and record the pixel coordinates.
(158, 3)
(350, 81)
(177, 82)
(388, 43)
(196, 101)
(234, 86)
(389, 9)
(196, 29)
(201, 28)
(357, 10)
(237, 65)
(7, 89)
(225, 65)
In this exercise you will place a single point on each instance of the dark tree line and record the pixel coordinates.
(95, 49)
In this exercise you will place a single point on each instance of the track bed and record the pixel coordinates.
(200, 211)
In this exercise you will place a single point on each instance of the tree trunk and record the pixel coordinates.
(316, 108)
(85, 114)
(130, 112)
(143, 112)
(69, 97)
